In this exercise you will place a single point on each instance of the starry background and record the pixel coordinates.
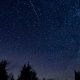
(44, 32)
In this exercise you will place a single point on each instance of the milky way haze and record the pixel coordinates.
(44, 32)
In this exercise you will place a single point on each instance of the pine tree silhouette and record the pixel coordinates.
(11, 77)
(44, 79)
(27, 73)
(3, 72)
(77, 75)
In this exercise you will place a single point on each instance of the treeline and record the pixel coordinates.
(27, 73)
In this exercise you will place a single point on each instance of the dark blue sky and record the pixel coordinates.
(44, 32)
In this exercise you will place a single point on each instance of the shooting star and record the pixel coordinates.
(33, 7)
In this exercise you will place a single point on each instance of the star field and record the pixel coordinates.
(44, 32)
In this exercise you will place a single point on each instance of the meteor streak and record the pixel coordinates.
(33, 7)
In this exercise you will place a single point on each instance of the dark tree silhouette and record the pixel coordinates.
(44, 79)
(77, 75)
(27, 73)
(11, 77)
(3, 71)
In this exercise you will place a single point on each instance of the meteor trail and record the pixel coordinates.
(33, 7)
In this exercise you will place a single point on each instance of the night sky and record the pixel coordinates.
(44, 32)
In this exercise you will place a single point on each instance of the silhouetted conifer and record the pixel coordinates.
(77, 75)
(44, 79)
(11, 77)
(27, 73)
(3, 72)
